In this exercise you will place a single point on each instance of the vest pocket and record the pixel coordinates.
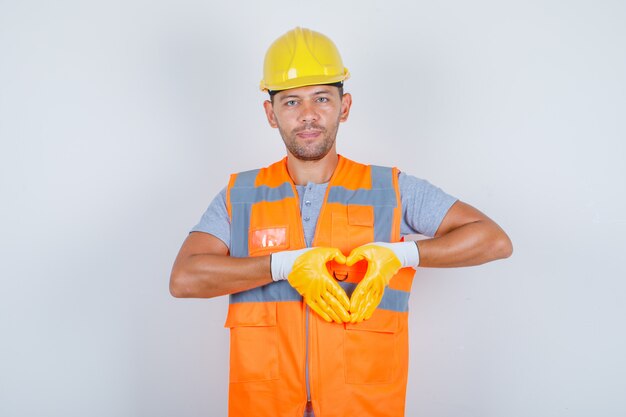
(253, 341)
(370, 349)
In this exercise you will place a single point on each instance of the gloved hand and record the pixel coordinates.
(383, 262)
(310, 277)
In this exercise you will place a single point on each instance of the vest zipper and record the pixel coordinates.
(307, 376)
(306, 355)
(307, 309)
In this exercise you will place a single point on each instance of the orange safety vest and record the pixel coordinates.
(282, 353)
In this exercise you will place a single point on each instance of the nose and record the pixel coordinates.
(308, 113)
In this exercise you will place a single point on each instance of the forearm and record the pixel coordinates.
(208, 275)
(471, 244)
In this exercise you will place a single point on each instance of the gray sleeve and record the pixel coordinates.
(215, 219)
(423, 205)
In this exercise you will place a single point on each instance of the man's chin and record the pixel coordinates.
(309, 152)
(309, 158)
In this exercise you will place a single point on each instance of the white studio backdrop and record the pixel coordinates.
(119, 122)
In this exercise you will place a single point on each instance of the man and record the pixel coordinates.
(311, 251)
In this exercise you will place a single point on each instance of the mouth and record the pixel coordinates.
(309, 134)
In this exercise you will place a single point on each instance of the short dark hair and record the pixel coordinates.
(339, 86)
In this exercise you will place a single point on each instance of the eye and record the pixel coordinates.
(290, 103)
(322, 99)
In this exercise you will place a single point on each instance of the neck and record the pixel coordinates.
(320, 171)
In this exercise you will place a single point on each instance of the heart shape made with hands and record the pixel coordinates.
(382, 265)
(311, 278)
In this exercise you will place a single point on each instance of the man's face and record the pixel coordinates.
(308, 119)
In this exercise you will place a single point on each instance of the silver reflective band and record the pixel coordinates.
(394, 300)
(242, 195)
(382, 197)
(275, 291)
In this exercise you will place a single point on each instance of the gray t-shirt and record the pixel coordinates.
(423, 208)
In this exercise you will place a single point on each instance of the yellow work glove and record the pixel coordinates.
(383, 262)
(310, 277)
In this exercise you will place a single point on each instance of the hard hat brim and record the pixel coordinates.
(305, 81)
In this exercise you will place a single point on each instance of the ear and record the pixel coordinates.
(269, 113)
(346, 103)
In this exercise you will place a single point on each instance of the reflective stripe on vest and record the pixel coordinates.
(394, 300)
(381, 197)
(242, 196)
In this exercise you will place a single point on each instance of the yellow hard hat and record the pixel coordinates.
(302, 57)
